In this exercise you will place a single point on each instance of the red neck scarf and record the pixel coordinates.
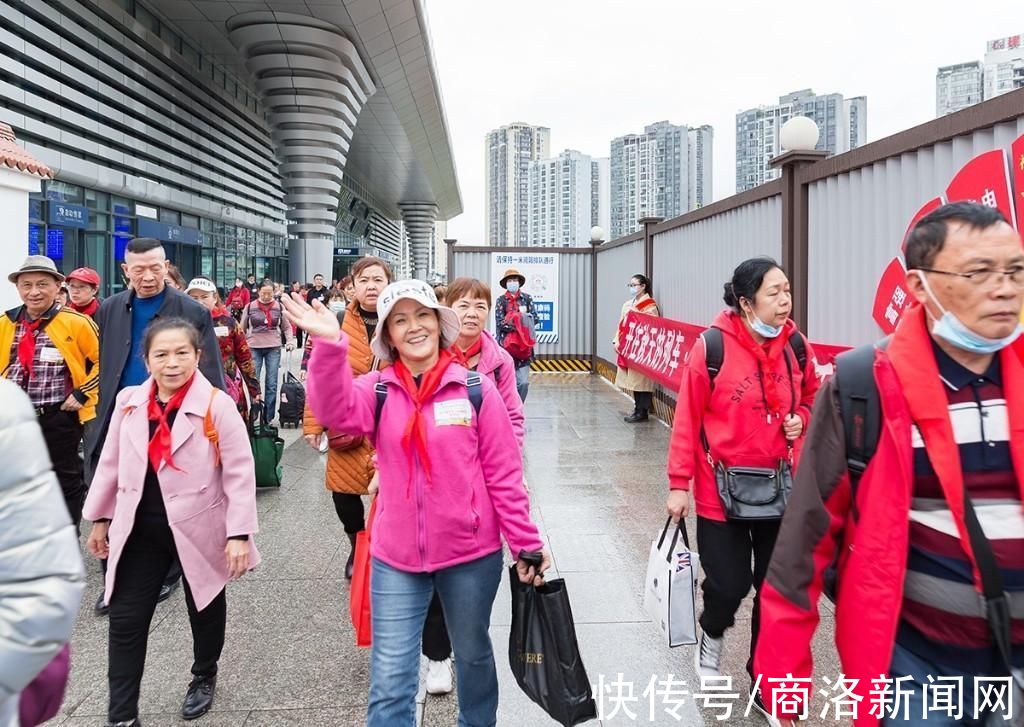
(89, 309)
(27, 345)
(160, 444)
(514, 297)
(267, 309)
(464, 357)
(415, 434)
(766, 355)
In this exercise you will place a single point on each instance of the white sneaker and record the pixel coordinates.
(707, 657)
(439, 677)
(761, 709)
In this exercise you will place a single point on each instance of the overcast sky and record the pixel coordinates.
(592, 70)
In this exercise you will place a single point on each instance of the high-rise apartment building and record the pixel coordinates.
(965, 84)
(561, 200)
(1004, 65)
(700, 162)
(842, 126)
(651, 176)
(509, 151)
(600, 194)
(959, 86)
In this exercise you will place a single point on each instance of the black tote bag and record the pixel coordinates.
(543, 652)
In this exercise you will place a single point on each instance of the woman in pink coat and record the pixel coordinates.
(175, 479)
(476, 350)
(451, 485)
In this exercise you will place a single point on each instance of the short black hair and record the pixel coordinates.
(747, 279)
(928, 237)
(140, 245)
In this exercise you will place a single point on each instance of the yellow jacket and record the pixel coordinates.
(77, 339)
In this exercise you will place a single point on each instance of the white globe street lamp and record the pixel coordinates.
(799, 134)
(596, 234)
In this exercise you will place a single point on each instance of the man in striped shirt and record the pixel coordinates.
(909, 604)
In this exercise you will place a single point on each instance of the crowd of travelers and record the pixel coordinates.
(894, 488)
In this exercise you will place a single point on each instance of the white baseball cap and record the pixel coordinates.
(423, 294)
(201, 284)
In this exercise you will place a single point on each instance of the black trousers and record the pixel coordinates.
(643, 400)
(63, 432)
(725, 551)
(350, 511)
(436, 644)
(141, 571)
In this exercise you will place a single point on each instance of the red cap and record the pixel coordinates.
(86, 275)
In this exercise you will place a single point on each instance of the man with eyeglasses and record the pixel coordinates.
(924, 531)
(122, 320)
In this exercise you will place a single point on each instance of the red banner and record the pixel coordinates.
(658, 348)
(892, 297)
(984, 179)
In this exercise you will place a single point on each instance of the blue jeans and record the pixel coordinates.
(523, 381)
(907, 663)
(272, 357)
(398, 604)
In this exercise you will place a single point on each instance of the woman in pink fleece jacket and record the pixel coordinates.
(450, 488)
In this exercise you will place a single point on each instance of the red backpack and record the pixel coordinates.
(519, 342)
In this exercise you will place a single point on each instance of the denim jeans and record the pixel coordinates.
(907, 663)
(272, 357)
(523, 381)
(399, 602)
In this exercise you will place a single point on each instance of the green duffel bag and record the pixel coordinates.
(267, 447)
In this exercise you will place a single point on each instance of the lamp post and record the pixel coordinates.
(798, 139)
(596, 240)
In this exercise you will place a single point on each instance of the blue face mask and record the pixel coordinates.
(633, 290)
(512, 286)
(952, 329)
(763, 329)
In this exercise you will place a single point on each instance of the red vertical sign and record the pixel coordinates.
(1017, 165)
(892, 298)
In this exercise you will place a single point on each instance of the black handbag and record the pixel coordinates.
(754, 493)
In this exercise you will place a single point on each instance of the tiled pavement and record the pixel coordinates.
(597, 486)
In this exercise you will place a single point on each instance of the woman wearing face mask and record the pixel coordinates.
(337, 302)
(753, 415)
(234, 349)
(627, 378)
(350, 465)
(450, 489)
(158, 495)
(238, 299)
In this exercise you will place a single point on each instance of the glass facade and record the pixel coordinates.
(79, 227)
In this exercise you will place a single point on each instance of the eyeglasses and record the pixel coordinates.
(982, 276)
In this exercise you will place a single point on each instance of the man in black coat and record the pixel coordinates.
(122, 320)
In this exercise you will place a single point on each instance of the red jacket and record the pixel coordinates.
(873, 550)
(733, 415)
(238, 298)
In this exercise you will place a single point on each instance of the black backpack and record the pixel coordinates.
(861, 411)
(714, 348)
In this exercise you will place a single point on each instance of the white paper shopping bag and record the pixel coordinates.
(670, 590)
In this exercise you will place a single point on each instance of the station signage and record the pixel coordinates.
(167, 232)
(68, 215)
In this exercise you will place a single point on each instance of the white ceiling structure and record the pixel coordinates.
(401, 150)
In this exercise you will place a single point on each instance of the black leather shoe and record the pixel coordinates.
(636, 417)
(101, 608)
(166, 590)
(199, 697)
(351, 562)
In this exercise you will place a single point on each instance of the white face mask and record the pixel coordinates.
(952, 329)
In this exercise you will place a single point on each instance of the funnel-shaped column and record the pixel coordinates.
(419, 218)
(313, 85)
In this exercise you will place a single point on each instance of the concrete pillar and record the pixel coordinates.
(313, 84)
(20, 175)
(419, 218)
